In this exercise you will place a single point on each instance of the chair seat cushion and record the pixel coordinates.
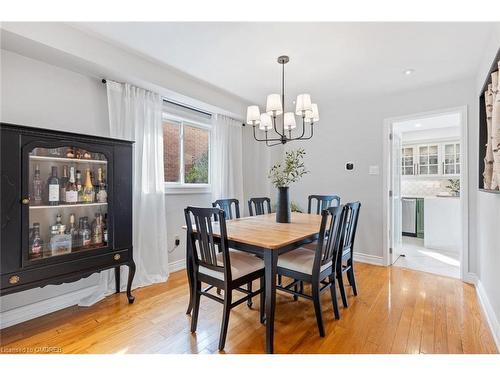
(300, 260)
(241, 264)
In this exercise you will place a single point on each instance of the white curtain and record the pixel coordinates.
(136, 114)
(227, 159)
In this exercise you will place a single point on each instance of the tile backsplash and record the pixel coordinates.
(423, 188)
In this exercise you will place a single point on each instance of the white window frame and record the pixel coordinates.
(182, 187)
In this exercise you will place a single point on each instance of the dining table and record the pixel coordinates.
(263, 236)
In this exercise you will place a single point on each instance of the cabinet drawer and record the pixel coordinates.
(62, 272)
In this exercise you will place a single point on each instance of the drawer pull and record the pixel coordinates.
(14, 279)
(25, 201)
(117, 257)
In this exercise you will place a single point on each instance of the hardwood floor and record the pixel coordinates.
(397, 311)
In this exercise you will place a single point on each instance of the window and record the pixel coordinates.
(186, 150)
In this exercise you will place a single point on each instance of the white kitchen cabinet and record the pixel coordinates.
(437, 159)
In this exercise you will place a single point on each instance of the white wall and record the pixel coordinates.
(41, 94)
(351, 130)
(488, 212)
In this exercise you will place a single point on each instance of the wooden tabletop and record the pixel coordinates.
(264, 231)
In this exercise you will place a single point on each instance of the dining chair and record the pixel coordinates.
(259, 204)
(317, 268)
(226, 269)
(227, 205)
(345, 263)
(322, 202)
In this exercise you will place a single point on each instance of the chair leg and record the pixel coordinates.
(352, 280)
(225, 318)
(333, 292)
(301, 289)
(280, 281)
(196, 306)
(249, 288)
(295, 289)
(317, 308)
(342, 288)
(262, 300)
(218, 291)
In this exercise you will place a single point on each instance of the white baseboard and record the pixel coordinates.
(490, 313)
(368, 258)
(34, 310)
(177, 265)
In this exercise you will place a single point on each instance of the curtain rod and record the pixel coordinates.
(185, 106)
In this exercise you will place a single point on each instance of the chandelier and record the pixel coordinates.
(275, 108)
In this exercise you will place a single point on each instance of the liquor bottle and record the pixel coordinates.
(37, 187)
(79, 187)
(53, 187)
(70, 153)
(73, 231)
(85, 233)
(63, 183)
(102, 195)
(97, 236)
(105, 229)
(71, 190)
(36, 242)
(88, 189)
(58, 225)
(79, 232)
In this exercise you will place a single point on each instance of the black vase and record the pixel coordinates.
(283, 211)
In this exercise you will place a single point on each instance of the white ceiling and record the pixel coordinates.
(327, 60)
(449, 120)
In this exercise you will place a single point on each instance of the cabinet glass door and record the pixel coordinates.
(428, 160)
(68, 201)
(451, 161)
(407, 161)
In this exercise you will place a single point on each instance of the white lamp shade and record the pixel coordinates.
(313, 114)
(273, 106)
(289, 121)
(265, 122)
(253, 115)
(303, 104)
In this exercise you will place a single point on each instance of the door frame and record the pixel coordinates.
(464, 182)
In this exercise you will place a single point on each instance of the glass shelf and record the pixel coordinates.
(69, 205)
(67, 160)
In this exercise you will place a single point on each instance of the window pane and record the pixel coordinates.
(195, 155)
(172, 151)
(449, 169)
(423, 150)
(424, 170)
(448, 149)
(433, 169)
(433, 150)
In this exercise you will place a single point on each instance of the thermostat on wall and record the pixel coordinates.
(349, 166)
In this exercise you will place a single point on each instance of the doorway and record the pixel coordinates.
(426, 192)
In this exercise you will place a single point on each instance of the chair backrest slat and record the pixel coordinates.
(202, 234)
(322, 202)
(350, 226)
(259, 205)
(227, 206)
(329, 237)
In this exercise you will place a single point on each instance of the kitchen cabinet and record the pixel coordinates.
(438, 159)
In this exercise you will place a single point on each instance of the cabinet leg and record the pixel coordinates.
(117, 279)
(131, 273)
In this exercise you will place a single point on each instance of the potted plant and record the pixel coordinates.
(282, 175)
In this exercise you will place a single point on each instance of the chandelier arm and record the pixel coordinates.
(303, 130)
(305, 139)
(264, 139)
(274, 126)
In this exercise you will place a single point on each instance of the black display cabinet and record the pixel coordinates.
(61, 230)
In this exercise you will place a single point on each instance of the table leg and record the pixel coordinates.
(270, 263)
(189, 270)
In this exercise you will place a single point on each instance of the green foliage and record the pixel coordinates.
(198, 173)
(292, 170)
(454, 186)
(295, 207)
